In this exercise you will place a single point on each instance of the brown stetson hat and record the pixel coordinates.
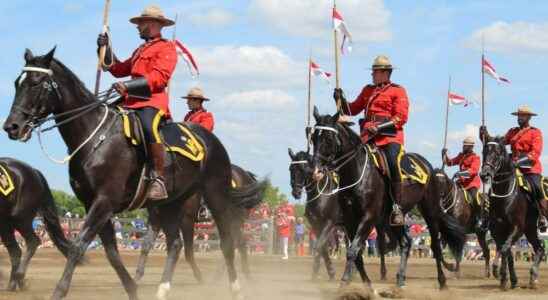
(382, 62)
(152, 12)
(524, 110)
(196, 93)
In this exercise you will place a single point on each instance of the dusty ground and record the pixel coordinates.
(273, 279)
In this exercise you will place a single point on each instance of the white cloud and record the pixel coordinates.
(511, 37)
(459, 135)
(367, 19)
(250, 66)
(215, 18)
(260, 99)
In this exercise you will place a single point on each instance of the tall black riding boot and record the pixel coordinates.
(397, 218)
(157, 189)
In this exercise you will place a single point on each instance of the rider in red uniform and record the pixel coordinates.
(468, 174)
(197, 114)
(526, 144)
(150, 67)
(385, 106)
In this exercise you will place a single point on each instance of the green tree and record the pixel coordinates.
(67, 202)
(273, 196)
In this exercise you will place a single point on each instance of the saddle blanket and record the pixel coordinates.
(6, 182)
(177, 137)
(524, 184)
(411, 168)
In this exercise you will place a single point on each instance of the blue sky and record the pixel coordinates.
(253, 55)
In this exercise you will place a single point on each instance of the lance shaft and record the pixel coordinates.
(103, 49)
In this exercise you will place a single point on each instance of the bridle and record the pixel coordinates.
(35, 121)
(507, 176)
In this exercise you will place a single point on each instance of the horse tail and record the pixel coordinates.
(48, 210)
(452, 233)
(249, 195)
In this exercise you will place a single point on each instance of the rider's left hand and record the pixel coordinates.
(120, 87)
(373, 130)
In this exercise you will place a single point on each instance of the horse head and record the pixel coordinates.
(35, 96)
(300, 170)
(495, 158)
(443, 181)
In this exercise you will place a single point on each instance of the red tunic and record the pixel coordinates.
(201, 117)
(526, 141)
(155, 60)
(380, 104)
(471, 163)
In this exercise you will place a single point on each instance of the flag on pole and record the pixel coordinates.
(188, 58)
(489, 69)
(340, 26)
(455, 99)
(318, 72)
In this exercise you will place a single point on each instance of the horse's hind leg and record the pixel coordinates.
(436, 249)
(14, 251)
(147, 245)
(512, 271)
(538, 247)
(32, 242)
(108, 238)
(187, 228)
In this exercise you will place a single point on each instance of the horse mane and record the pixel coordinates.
(68, 74)
(354, 138)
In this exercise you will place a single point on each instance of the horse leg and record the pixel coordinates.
(355, 250)
(187, 228)
(381, 243)
(316, 263)
(436, 250)
(32, 242)
(99, 214)
(512, 271)
(170, 226)
(147, 245)
(14, 251)
(360, 266)
(484, 249)
(242, 249)
(405, 249)
(538, 247)
(322, 247)
(108, 238)
(503, 269)
(495, 267)
(328, 263)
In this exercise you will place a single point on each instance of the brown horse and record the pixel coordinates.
(190, 209)
(30, 195)
(105, 169)
(363, 192)
(464, 206)
(512, 211)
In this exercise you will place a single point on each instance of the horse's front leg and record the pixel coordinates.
(108, 238)
(170, 219)
(99, 213)
(148, 244)
(32, 242)
(405, 248)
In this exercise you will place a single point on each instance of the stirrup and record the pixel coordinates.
(161, 193)
(542, 224)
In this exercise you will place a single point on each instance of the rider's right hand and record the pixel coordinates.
(102, 40)
(338, 94)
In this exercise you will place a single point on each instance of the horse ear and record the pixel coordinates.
(28, 55)
(291, 154)
(49, 57)
(316, 114)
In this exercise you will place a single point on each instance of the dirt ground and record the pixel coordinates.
(272, 279)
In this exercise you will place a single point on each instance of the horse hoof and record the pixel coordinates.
(163, 291)
(533, 285)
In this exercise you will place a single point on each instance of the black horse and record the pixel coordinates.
(324, 212)
(190, 209)
(105, 169)
(512, 211)
(322, 208)
(465, 208)
(30, 194)
(364, 192)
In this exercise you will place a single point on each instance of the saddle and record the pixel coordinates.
(6, 182)
(412, 170)
(177, 137)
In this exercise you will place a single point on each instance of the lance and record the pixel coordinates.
(446, 122)
(309, 104)
(337, 63)
(103, 49)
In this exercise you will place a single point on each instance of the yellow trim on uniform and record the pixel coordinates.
(543, 184)
(156, 125)
(478, 199)
(521, 180)
(10, 186)
(466, 197)
(193, 145)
